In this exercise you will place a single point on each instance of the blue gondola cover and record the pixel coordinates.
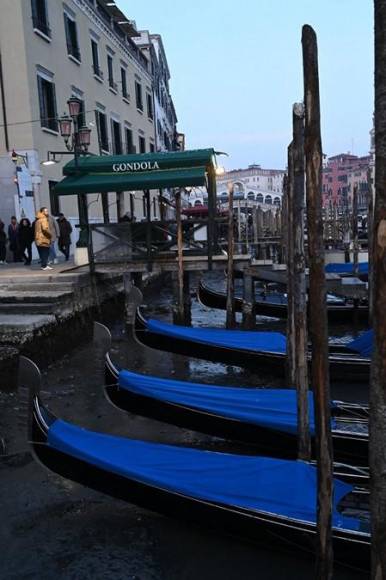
(364, 344)
(347, 268)
(285, 488)
(274, 409)
(245, 340)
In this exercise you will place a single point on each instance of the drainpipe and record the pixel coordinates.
(6, 138)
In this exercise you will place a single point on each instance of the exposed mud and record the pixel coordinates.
(53, 528)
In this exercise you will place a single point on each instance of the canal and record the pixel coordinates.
(53, 528)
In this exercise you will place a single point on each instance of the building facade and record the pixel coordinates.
(341, 173)
(264, 186)
(51, 51)
(165, 115)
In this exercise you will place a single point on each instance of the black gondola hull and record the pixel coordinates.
(261, 307)
(347, 449)
(273, 530)
(342, 367)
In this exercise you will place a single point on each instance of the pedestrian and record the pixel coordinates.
(25, 239)
(64, 241)
(54, 229)
(43, 237)
(13, 230)
(3, 243)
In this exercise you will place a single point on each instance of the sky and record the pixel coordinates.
(236, 70)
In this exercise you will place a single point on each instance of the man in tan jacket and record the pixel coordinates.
(43, 237)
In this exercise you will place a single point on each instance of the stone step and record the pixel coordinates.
(28, 308)
(28, 296)
(39, 286)
(38, 277)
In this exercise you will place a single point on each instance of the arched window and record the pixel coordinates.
(268, 199)
(251, 195)
(276, 201)
(260, 198)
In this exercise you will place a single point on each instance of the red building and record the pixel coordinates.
(340, 174)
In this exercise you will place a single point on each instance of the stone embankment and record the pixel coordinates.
(43, 314)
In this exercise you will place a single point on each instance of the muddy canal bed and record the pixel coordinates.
(53, 528)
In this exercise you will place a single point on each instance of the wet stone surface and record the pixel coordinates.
(53, 528)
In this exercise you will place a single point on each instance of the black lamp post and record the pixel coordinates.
(77, 139)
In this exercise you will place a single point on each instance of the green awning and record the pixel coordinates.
(143, 162)
(102, 182)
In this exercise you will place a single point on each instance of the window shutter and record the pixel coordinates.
(42, 104)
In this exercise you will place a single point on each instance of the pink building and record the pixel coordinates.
(340, 174)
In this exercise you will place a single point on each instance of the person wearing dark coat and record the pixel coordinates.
(3, 243)
(65, 230)
(25, 238)
(13, 230)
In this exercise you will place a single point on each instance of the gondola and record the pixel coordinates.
(254, 349)
(275, 304)
(257, 498)
(348, 269)
(264, 418)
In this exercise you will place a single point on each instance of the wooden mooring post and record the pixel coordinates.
(355, 229)
(249, 317)
(291, 363)
(317, 304)
(378, 365)
(370, 240)
(230, 305)
(179, 313)
(298, 285)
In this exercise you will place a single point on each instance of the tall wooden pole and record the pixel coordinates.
(230, 316)
(180, 277)
(317, 303)
(370, 230)
(284, 222)
(378, 365)
(299, 285)
(355, 229)
(291, 362)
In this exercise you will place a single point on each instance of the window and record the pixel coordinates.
(125, 94)
(138, 96)
(149, 100)
(129, 141)
(47, 103)
(152, 149)
(116, 137)
(102, 131)
(110, 72)
(95, 59)
(54, 199)
(82, 114)
(39, 17)
(71, 37)
(142, 144)
(268, 199)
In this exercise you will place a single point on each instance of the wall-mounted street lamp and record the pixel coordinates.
(77, 140)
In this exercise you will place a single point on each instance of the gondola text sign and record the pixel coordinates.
(135, 166)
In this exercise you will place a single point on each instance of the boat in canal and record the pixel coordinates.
(349, 362)
(263, 418)
(258, 498)
(274, 303)
(348, 269)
